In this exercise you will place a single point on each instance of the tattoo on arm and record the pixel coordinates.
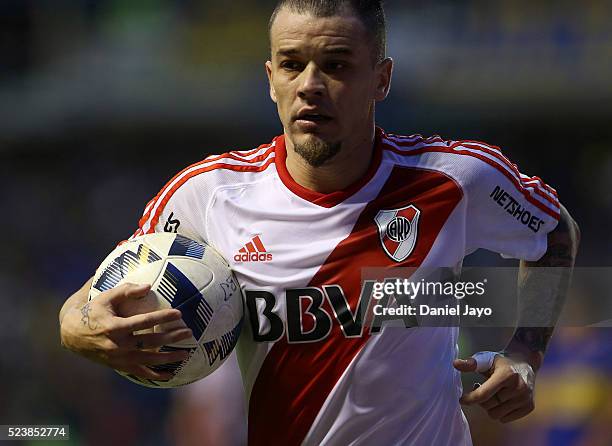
(562, 245)
(542, 288)
(85, 316)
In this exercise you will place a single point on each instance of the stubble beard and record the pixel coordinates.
(316, 152)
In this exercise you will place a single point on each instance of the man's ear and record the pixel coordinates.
(384, 73)
(269, 73)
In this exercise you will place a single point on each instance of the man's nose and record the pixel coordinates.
(312, 83)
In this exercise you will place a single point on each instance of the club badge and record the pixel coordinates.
(398, 229)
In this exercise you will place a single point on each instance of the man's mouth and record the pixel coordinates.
(310, 119)
(313, 117)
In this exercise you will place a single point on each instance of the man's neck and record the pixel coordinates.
(338, 173)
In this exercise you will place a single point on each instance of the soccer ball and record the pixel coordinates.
(183, 274)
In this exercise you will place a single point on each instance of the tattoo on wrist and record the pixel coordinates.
(85, 316)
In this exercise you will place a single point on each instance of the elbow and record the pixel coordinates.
(569, 230)
(576, 230)
(563, 243)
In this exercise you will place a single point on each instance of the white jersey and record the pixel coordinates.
(310, 380)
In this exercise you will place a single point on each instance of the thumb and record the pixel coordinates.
(465, 365)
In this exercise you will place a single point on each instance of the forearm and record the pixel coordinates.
(542, 289)
(76, 301)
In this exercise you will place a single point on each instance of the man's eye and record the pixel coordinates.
(336, 66)
(290, 65)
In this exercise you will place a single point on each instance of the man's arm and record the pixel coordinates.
(76, 301)
(542, 289)
(507, 394)
(95, 330)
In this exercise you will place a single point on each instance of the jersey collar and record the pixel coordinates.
(331, 199)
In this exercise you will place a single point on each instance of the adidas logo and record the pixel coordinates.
(254, 251)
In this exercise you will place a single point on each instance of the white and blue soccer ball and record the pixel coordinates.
(183, 274)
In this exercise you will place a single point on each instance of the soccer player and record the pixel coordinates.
(302, 215)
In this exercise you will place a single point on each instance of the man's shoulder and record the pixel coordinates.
(231, 166)
(480, 169)
(185, 197)
(415, 145)
(461, 158)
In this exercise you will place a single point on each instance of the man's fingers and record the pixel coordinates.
(155, 340)
(158, 358)
(141, 371)
(149, 320)
(511, 392)
(484, 392)
(507, 407)
(490, 403)
(519, 413)
(126, 291)
(465, 365)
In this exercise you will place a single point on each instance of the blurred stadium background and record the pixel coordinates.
(102, 101)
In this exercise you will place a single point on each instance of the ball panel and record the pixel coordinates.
(127, 259)
(184, 247)
(221, 347)
(160, 242)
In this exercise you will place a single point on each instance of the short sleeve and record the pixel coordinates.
(508, 212)
(177, 209)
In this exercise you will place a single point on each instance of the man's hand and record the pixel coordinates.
(507, 394)
(95, 330)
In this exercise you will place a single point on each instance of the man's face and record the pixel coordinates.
(325, 81)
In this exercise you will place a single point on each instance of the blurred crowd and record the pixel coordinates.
(102, 101)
